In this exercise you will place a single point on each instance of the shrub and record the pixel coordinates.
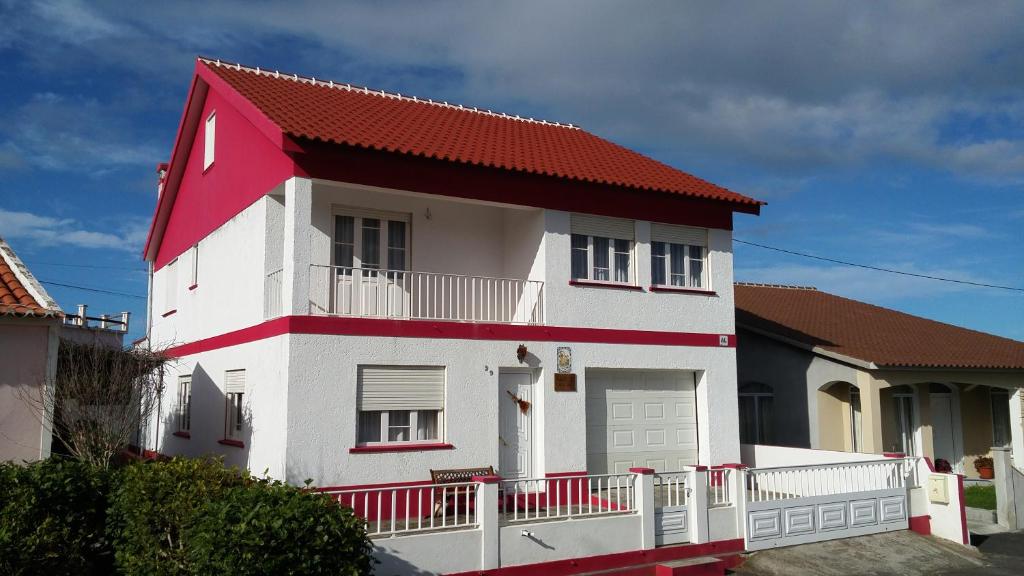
(152, 505)
(271, 528)
(52, 517)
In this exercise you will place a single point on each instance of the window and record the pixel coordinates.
(195, 267)
(171, 286)
(370, 241)
(399, 404)
(210, 135)
(756, 412)
(1000, 400)
(184, 403)
(601, 249)
(678, 255)
(904, 404)
(856, 420)
(234, 391)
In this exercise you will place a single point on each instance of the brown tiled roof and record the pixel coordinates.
(15, 299)
(343, 114)
(870, 333)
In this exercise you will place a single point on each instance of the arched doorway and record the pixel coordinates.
(840, 425)
(946, 437)
(756, 403)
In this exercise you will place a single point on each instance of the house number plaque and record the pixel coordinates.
(565, 382)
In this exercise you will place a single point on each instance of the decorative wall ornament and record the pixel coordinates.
(524, 405)
(521, 352)
(564, 359)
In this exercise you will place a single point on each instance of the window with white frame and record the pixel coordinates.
(234, 393)
(210, 135)
(399, 404)
(679, 256)
(195, 267)
(370, 240)
(184, 403)
(602, 249)
(171, 286)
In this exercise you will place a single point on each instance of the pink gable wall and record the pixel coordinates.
(246, 166)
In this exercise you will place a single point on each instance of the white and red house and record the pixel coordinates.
(361, 287)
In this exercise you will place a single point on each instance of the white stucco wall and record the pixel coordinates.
(419, 554)
(322, 396)
(266, 401)
(229, 295)
(576, 539)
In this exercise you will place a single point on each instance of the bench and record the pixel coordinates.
(456, 476)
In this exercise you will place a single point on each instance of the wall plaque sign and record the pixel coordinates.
(565, 382)
(564, 363)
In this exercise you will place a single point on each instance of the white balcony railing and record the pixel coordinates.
(532, 499)
(345, 291)
(409, 509)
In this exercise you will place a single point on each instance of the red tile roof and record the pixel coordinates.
(305, 108)
(15, 298)
(870, 333)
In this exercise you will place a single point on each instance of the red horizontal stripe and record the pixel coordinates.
(338, 326)
(399, 448)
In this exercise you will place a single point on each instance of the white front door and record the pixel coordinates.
(943, 440)
(515, 424)
(640, 418)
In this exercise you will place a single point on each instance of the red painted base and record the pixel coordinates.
(921, 524)
(635, 563)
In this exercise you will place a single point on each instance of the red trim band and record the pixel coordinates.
(399, 448)
(609, 561)
(613, 285)
(340, 326)
(492, 479)
(564, 474)
(643, 471)
(678, 290)
(230, 442)
(921, 524)
(168, 313)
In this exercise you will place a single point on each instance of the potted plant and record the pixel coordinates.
(985, 467)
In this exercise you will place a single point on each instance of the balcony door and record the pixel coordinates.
(371, 260)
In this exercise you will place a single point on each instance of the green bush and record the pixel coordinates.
(268, 527)
(152, 505)
(52, 519)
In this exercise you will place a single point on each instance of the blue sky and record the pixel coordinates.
(891, 135)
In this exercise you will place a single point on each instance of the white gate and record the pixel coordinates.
(672, 492)
(801, 504)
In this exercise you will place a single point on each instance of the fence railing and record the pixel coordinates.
(272, 290)
(345, 291)
(671, 489)
(534, 499)
(720, 487)
(409, 509)
(782, 483)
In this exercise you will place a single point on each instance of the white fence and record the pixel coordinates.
(720, 487)
(272, 289)
(671, 489)
(781, 483)
(410, 509)
(345, 291)
(532, 499)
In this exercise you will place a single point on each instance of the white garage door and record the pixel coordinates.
(640, 418)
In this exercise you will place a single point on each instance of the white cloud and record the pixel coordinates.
(49, 231)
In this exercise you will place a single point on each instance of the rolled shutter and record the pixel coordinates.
(679, 234)
(400, 388)
(601, 226)
(234, 382)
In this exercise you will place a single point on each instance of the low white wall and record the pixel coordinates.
(437, 553)
(762, 456)
(570, 539)
(947, 520)
(722, 524)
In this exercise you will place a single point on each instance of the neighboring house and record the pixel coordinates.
(821, 371)
(31, 326)
(348, 276)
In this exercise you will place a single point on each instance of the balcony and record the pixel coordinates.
(403, 294)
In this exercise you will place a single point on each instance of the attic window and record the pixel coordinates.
(211, 131)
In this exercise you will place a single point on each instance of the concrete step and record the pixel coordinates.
(981, 515)
(699, 566)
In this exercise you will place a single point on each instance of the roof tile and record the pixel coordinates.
(315, 110)
(870, 333)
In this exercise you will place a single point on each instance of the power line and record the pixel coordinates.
(95, 266)
(90, 289)
(878, 269)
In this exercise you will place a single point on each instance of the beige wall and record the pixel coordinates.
(24, 349)
(976, 413)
